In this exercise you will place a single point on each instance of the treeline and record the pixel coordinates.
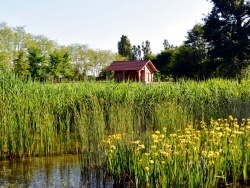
(39, 58)
(218, 48)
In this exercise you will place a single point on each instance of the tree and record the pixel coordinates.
(162, 62)
(183, 63)
(146, 50)
(136, 52)
(60, 65)
(36, 62)
(19, 38)
(21, 65)
(227, 30)
(195, 40)
(4, 63)
(166, 44)
(124, 47)
(6, 46)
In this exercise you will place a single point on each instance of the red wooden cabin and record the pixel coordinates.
(140, 71)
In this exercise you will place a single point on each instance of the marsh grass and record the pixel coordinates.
(52, 119)
(215, 155)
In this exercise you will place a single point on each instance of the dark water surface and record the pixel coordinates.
(59, 171)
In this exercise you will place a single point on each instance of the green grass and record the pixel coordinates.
(52, 119)
(214, 155)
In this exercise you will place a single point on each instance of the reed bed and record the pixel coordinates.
(52, 119)
(216, 155)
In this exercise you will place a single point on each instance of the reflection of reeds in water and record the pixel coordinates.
(57, 171)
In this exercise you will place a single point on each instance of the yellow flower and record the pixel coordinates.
(217, 128)
(146, 168)
(111, 151)
(151, 162)
(216, 124)
(239, 132)
(112, 147)
(154, 136)
(141, 146)
(136, 142)
(230, 117)
(108, 141)
(164, 129)
(117, 137)
(164, 153)
(227, 129)
(236, 126)
(157, 132)
(173, 135)
(156, 141)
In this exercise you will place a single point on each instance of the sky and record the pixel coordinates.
(101, 23)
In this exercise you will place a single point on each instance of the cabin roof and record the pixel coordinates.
(130, 65)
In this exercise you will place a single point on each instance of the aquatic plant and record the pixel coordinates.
(217, 154)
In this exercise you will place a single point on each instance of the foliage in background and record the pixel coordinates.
(218, 48)
(16, 46)
(124, 47)
(227, 30)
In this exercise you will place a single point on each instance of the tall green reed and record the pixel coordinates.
(44, 119)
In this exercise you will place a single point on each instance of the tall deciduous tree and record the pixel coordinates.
(146, 49)
(6, 46)
(136, 52)
(162, 62)
(19, 38)
(21, 65)
(36, 61)
(124, 47)
(195, 40)
(59, 64)
(166, 44)
(184, 64)
(227, 29)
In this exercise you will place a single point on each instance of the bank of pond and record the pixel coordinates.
(183, 134)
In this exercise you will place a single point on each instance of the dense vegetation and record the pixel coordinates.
(220, 47)
(154, 135)
(39, 58)
(45, 119)
(215, 155)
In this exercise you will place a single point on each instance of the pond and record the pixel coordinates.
(59, 171)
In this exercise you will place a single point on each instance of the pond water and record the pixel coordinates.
(59, 171)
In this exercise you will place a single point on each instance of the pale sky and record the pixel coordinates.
(101, 23)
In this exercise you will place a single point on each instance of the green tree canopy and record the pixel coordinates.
(136, 52)
(21, 65)
(184, 63)
(36, 61)
(163, 60)
(124, 47)
(59, 64)
(227, 30)
(146, 49)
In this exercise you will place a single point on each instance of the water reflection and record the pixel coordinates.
(62, 171)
